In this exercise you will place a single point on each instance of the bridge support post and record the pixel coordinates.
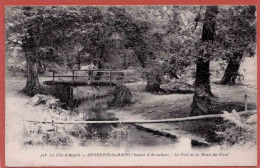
(91, 77)
(73, 77)
(110, 78)
(125, 77)
(53, 76)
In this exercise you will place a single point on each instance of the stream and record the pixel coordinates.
(120, 135)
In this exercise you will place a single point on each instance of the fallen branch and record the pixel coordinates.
(144, 121)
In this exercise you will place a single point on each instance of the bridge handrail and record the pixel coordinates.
(91, 76)
(107, 70)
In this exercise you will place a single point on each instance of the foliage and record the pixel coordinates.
(38, 30)
(125, 36)
(237, 130)
(122, 96)
(236, 31)
(99, 35)
(45, 136)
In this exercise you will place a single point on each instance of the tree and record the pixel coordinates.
(238, 36)
(165, 36)
(22, 34)
(155, 41)
(39, 32)
(202, 95)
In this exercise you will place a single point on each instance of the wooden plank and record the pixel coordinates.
(77, 76)
(91, 78)
(69, 76)
(109, 71)
(144, 121)
(64, 76)
(114, 70)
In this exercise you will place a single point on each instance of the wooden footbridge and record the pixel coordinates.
(101, 77)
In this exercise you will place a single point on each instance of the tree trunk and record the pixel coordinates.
(78, 61)
(154, 75)
(100, 62)
(99, 74)
(202, 95)
(232, 69)
(153, 82)
(69, 61)
(33, 86)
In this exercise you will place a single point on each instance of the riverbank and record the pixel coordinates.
(34, 139)
(147, 106)
(150, 106)
(20, 109)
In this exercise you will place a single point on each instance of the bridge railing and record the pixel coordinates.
(108, 75)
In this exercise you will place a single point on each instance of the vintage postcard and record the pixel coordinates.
(129, 84)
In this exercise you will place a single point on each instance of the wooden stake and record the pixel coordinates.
(53, 75)
(73, 77)
(245, 102)
(110, 78)
(91, 77)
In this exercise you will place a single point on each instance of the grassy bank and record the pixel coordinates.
(150, 106)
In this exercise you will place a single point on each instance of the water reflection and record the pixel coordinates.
(94, 110)
(120, 135)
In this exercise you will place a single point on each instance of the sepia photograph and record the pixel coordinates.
(147, 85)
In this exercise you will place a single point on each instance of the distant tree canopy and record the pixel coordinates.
(123, 36)
(237, 36)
